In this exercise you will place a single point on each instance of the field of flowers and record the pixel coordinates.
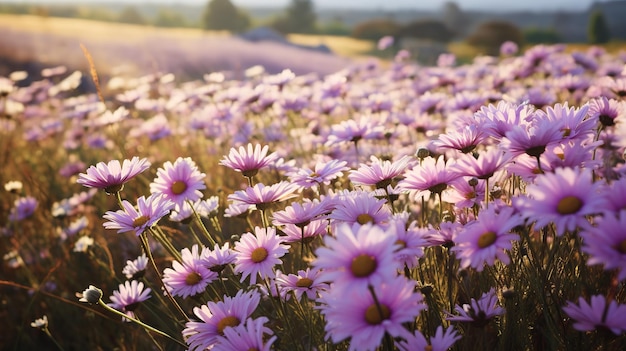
(396, 207)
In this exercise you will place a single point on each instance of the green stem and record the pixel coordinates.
(142, 324)
(45, 330)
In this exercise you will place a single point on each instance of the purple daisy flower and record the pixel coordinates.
(605, 110)
(179, 182)
(352, 131)
(597, 314)
(23, 208)
(409, 239)
(445, 235)
(441, 341)
(148, 212)
(500, 119)
(128, 297)
(564, 198)
(465, 193)
(360, 207)
(111, 176)
(215, 317)
(251, 335)
(136, 268)
(572, 122)
(478, 312)
(432, 176)
(358, 256)
(323, 173)
(258, 253)
(354, 313)
(464, 140)
(483, 167)
(379, 173)
(248, 160)
(606, 243)
(218, 258)
(301, 214)
(305, 282)
(190, 276)
(263, 196)
(531, 139)
(292, 233)
(487, 238)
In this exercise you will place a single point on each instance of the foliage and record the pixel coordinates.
(374, 29)
(488, 36)
(223, 15)
(598, 30)
(299, 17)
(169, 18)
(541, 36)
(427, 29)
(131, 15)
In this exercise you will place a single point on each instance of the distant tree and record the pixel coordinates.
(169, 18)
(598, 30)
(223, 15)
(336, 26)
(455, 19)
(541, 36)
(427, 29)
(491, 34)
(299, 17)
(131, 15)
(375, 29)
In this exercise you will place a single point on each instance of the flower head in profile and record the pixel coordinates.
(128, 297)
(360, 207)
(322, 173)
(263, 196)
(41, 323)
(597, 314)
(190, 276)
(148, 212)
(216, 317)
(179, 182)
(248, 160)
(23, 208)
(258, 253)
(90, 295)
(112, 176)
(606, 243)
(441, 341)
(354, 312)
(306, 282)
(357, 255)
(136, 268)
(478, 312)
(218, 258)
(379, 173)
(564, 198)
(432, 176)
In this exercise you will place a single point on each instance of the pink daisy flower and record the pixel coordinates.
(128, 297)
(248, 160)
(251, 335)
(432, 176)
(379, 173)
(531, 139)
(263, 196)
(305, 282)
(487, 238)
(483, 167)
(136, 268)
(190, 276)
(112, 176)
(597, 314)
(301, 214)
(572, 122)
(148, 212)
(464, 140)
(605, 110)
(352, 131)
(478, 312)
(441, 341)
(216, 317)
(362, 208)
(354, 313)
(445, 235)
(409, 239)
(606, 243)
(179, 182)
(564, 198)
(218, 258)
(323, 173)
(292, 233)
(258, 253)
(463, 195)
(358, 256)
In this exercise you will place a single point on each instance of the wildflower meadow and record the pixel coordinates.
(386, 206)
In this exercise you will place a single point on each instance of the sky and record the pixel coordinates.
(488, 5)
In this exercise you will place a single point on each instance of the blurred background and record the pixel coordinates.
(193, 37)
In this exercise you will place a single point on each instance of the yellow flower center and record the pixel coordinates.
(230, 321)
(141, 220)
(259, 255)
(250, 173)
(376, 314)
(363, 265)
(569, 205)
(428, 348)
(487, 239)
(179, 187)
(470, 195)
(304, 283)
(621, 247)
(193, 278)
(401, 243)
(364, 218)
